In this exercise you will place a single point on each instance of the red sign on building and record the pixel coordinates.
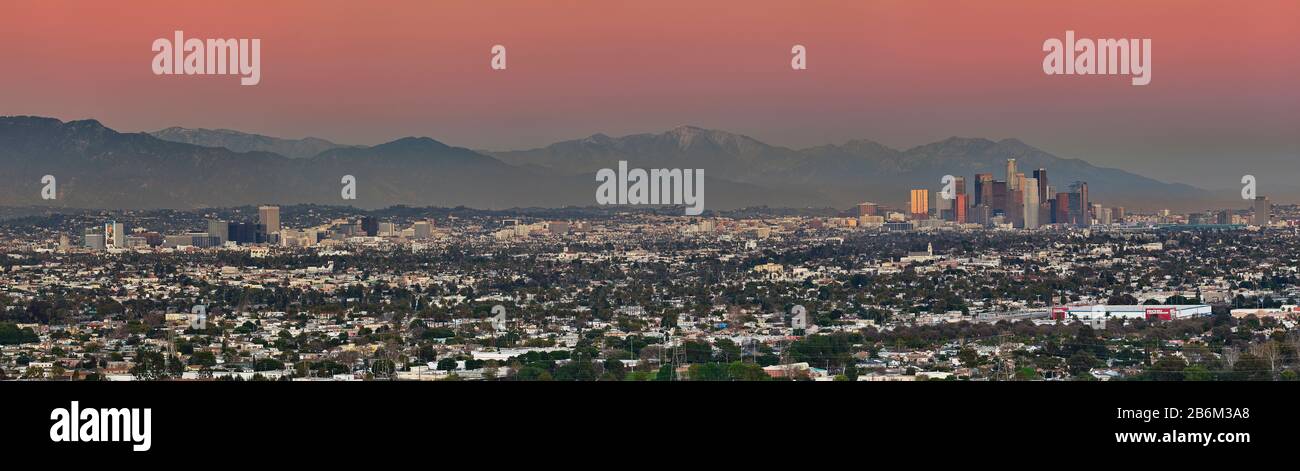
(1160, 313)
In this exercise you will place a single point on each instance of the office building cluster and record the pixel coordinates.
(1018, 201)
(267, 230)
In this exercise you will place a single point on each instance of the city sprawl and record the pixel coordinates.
(868, 294)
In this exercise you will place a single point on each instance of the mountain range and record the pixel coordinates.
(245, 142)
(97, 167)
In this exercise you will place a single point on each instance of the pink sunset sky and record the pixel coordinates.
(1223, 100)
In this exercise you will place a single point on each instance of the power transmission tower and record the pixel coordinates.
(679, 359)
(1000, 370)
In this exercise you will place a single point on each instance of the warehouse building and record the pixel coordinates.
(1117, 311)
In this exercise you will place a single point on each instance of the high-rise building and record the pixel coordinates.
(423, 229)
(1043, 191)
(959, 209)
(983, 189)
(220, 230)
(94, 238)
(246, 233)
(204, 240)
(370, 226)
(999, 198)
(1079, 209)
(982, 214)
(868, 209)
(1061, 209)
(114, 235)
(1263, 211)
(920, 203)
(1225, 217)
(1084, 203)
(269, 216)
(1012, 181)
(943, 206)
(1015, 210)
(1029, 190)
(1117, 214)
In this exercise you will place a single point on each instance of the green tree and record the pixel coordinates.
(1252, 368)
(968, 357)
(1167, 368)
(447, 364)
(666, 373)
(615, 370)
(1197, 373)
(203, 358)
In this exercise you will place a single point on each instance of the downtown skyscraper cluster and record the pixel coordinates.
(1018, 200)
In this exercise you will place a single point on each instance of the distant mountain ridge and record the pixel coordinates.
(247, 142)
(856, 170)
(724, 155)
(924, 166)
(98, 167)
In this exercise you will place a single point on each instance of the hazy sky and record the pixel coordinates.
(1224, 98)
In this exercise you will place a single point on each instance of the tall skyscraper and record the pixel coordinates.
(1030, 191)
(1061, 209)
(1043, 191)
(959, 209)
(1015, 211)
(1012, 181)
(998, 201)
(920, 203)
(269, 216)
(867, 209)
(983, 189)
(1263, 211)
(1080, 209)
(1085, 203)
